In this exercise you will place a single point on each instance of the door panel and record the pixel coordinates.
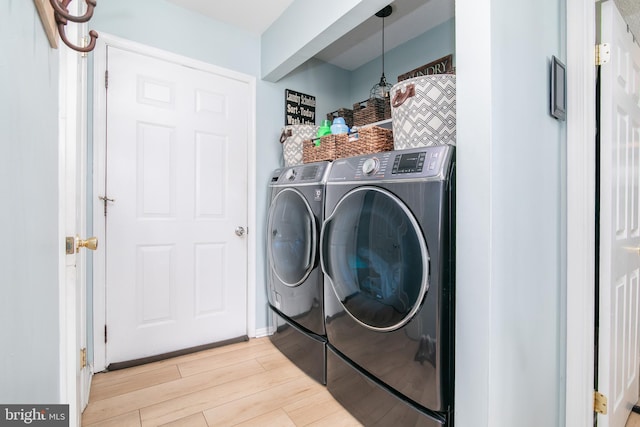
(177, 142)
(618, 357)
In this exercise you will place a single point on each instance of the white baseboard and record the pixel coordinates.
(264, 332)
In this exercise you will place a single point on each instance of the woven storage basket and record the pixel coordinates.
(291, 139)
(371, 110)
(345, 113)
(371, 139)
(424, 111)
(327, 150)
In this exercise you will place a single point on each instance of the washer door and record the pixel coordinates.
(375, 257)
(291, 237)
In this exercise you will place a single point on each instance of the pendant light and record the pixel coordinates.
(382, 88)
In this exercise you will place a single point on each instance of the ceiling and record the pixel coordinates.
(409, 19)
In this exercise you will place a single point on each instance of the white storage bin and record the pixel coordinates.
(291, 139)
(423, 111)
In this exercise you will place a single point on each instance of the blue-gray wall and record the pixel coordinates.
(431, 45)
(29, 320)
(511, 191)
(511, 248)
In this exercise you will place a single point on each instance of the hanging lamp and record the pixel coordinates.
(382, 88)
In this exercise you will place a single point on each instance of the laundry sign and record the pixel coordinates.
(443, 65)
(299, 108)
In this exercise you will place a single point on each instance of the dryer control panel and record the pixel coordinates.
(425, 162)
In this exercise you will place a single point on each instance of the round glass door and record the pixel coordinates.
(376, 258)
(291, 238)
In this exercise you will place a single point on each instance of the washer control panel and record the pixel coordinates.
(307, 173)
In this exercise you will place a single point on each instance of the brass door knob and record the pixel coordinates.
(91, 243)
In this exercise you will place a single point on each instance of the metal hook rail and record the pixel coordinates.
(62, 15)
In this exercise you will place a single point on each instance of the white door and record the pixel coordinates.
(176, 170)
(74, 369)
(618, 360)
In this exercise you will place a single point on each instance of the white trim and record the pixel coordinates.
(580, 212)
(66, 326)
(99, 112)
(264, 332)
(71, 281)
(475, 331)
(99, 131)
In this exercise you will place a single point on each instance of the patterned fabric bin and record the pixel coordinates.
(423, 111)
(291, 139)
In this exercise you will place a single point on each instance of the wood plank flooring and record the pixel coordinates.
(634, 419)
(243, 384)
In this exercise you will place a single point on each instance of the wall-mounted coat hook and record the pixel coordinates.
(62, 15)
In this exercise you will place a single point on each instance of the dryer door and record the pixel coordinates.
(291, 237)
(376, 258)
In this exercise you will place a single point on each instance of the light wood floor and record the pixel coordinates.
(244, 384)
(634, 419)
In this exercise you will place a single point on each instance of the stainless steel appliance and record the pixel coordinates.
(387, 251)
(295, 280)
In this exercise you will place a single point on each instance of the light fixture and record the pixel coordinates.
(382, 88)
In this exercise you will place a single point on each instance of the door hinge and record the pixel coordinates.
(599, 403)
(603, 53)
(106, 79)
(83, 358)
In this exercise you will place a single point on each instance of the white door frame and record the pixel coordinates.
(580, 220)
(99, 144)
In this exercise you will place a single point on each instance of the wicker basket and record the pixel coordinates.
(327, 150)
(371, 139)
(345, 113)
(371, 110)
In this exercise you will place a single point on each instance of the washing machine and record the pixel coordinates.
(294, 277)
(387, 252)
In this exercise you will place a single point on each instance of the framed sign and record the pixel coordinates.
(299, 108)
(443, 65)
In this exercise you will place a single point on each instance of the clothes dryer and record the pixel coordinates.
(387, 251)
(294, 278)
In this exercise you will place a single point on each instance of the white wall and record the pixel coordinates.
(29, 324)
(511, 252)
